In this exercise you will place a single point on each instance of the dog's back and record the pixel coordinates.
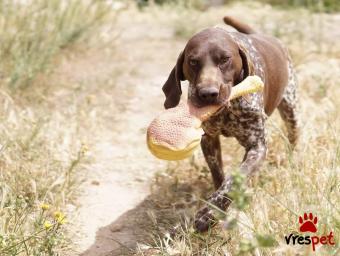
(275, 58)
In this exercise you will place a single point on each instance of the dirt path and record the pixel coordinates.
(119, 176)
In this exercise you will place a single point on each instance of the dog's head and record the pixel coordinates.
(212, 62)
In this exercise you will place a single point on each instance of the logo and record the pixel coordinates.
(307, 224)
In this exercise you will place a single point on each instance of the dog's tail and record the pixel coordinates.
(241, 27)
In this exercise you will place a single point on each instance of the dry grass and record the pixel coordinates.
(37, 167)
(36, 31)
(42, 142)
(313, 5)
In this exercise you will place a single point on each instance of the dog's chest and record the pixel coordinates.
(244, 117)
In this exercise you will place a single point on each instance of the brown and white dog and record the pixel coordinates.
(213, 61)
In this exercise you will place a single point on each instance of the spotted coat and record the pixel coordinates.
(244, 118)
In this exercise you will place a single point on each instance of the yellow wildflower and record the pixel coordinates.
(58, 214)
(61, 220)
(45, 207)
(47, 224)
(60, 217)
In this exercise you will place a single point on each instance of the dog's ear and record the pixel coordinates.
(247, 65)
(247, 68)
(172, 87)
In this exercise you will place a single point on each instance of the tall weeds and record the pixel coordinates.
(32, 32)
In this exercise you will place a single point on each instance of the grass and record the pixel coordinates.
(313, 5)
(36, 31)
(289, 183)
(36, 181)
(330, 6)
(41, 150)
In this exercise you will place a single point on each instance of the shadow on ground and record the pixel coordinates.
(167, 206)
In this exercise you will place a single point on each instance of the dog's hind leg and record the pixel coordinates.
(288, 108)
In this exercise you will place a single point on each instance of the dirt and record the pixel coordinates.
(115, 198)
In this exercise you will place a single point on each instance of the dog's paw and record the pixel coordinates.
(204, 219)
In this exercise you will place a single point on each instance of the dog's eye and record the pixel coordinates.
(224, 60)
(193, 63)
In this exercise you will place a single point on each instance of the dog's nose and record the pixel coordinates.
(209, 94)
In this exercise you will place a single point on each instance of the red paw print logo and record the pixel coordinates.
(308, 223)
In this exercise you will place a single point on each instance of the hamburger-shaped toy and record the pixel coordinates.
(177, 132)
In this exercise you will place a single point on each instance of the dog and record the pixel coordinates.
(213, 61)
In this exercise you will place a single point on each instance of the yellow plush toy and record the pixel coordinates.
(177, 132)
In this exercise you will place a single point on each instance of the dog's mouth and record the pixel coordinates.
(222, 99)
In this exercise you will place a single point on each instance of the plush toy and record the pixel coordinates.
(177, 132)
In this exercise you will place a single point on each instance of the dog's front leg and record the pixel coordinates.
(211, 148)
(253, 158)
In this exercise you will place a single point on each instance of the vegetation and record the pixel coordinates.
(35, 31)
(313, 5)
(35, 183)
(37, 160)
